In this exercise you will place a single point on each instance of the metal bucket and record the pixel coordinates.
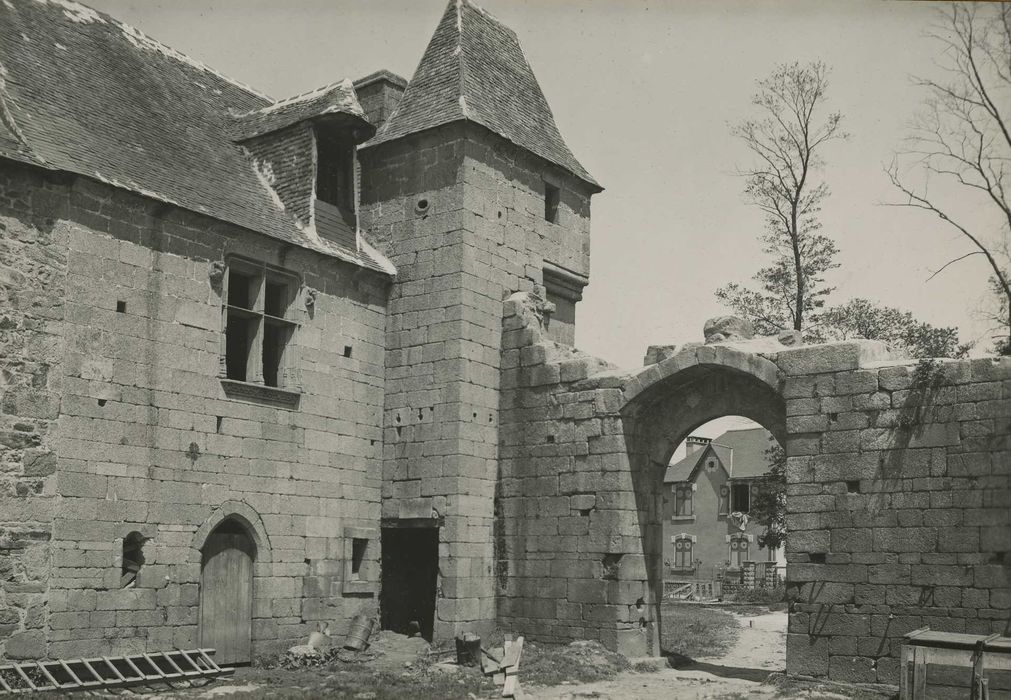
(361, 630)
(468, 649)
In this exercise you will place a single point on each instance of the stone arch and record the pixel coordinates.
(664, 403)
(244, 514)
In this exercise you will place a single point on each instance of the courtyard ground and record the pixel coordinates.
(744, 659)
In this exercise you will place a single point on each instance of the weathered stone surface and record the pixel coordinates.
(728, 328)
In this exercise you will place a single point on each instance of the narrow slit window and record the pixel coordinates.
(133, 559)
(552, 196)
(358, 547)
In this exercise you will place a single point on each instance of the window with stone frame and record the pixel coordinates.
(259, 328)
(683, 552)
(739, 547)
(683, 500)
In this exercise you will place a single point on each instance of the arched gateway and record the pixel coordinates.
(897, 477)
(664, 403)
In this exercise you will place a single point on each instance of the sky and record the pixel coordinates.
(645, 94)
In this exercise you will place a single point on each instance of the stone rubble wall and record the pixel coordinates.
(899, 481)
(149, 442)
(33, 268)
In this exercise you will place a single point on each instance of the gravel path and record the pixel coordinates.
(760, 650)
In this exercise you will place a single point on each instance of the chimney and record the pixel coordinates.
(379, 94)
(695, 443)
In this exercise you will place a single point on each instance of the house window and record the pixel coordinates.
(335, 178)
(724, 500)
(683, 552)
(552, 196)
(738, 551)
(683, 500)
(740, 498)
(258, 326)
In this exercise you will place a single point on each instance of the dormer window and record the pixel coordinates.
(335, 171)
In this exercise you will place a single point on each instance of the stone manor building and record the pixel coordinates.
(244, 337)
(265, 364)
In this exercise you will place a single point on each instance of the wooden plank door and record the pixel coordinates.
(226, 596)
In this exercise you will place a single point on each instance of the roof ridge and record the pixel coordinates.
(344, 83)
(461, 63)
(139, 38)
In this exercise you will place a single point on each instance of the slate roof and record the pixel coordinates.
(742, 453)
(475, 70)
(335, 101)
(84, 93)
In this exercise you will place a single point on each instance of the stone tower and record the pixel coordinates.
(470, 190)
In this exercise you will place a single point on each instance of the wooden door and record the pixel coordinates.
(226, 594)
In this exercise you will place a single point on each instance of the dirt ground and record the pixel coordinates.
(759, 651)
(750, 668)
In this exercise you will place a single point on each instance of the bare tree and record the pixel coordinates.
(963, 137)
(788, 139)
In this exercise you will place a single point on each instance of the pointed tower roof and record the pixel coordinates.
(475, 70)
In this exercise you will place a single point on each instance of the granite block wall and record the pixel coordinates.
(898, 478)
(460, 213)
(899, 492)
(151, 440)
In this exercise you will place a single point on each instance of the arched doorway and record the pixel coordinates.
(226, 592)
(672, 400)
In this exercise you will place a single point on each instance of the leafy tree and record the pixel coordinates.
(861, 318)
(768, 507)
(963, 138)
(787, 140)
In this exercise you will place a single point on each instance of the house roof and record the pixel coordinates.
(475, 70)
(337, 100)
(84, 93)
(741, 452)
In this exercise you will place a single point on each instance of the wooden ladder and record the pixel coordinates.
(110, 671)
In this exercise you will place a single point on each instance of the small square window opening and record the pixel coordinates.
(120, 307)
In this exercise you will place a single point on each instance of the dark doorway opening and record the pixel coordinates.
(410, 576)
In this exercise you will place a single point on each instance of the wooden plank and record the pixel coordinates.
(512, 654)
(919, 673)
(905, 670)
(3, 683)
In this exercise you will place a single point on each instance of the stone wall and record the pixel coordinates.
(898, 497)
(461, 214)
(33, 266)
(149, 441)
(898, 483)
